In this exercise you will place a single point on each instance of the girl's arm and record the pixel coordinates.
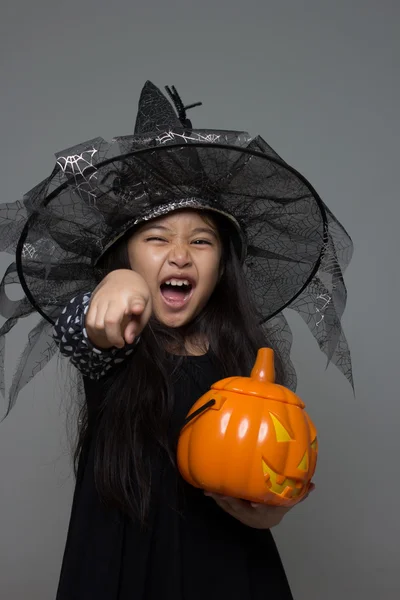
(71, 337)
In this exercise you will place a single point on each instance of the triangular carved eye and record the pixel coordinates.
(314, 444)
(303, 466)
(282, 435)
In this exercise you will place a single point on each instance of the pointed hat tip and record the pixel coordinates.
(155, 112)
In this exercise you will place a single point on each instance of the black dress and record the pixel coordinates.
(191, 550)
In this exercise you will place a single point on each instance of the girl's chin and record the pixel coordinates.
(175, 319)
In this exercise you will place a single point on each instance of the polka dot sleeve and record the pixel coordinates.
(72, 339)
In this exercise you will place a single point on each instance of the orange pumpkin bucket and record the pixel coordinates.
(250, 438)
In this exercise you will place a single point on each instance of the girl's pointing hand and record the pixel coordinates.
(119, 309)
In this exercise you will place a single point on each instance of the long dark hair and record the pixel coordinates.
(132, 419)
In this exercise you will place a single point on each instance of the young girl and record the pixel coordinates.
(176, 252)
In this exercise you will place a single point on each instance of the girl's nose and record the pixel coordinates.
(179, 256)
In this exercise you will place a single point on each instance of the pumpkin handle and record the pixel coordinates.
(264, 368)
(197, 412)
(215, 403)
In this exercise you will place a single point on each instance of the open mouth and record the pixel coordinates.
(176, 293)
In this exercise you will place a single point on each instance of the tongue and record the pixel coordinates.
(173, 293)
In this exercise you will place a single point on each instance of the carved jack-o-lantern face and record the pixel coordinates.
(289, 469)
(254, 441)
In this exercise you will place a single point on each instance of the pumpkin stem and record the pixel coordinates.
(264, 368)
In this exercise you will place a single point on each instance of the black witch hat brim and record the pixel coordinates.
(133, 187)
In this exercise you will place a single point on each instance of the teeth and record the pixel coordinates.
(179, 282)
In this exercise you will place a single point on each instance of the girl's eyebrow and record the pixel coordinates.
(150, 226)
(205, 230)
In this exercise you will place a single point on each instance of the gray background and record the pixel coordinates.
(320, 81)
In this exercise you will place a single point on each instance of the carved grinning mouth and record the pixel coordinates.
(279, 484)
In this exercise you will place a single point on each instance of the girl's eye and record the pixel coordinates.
(156, 239)
(202, 242)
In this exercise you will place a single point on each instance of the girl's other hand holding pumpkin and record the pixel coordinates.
(257, 516)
